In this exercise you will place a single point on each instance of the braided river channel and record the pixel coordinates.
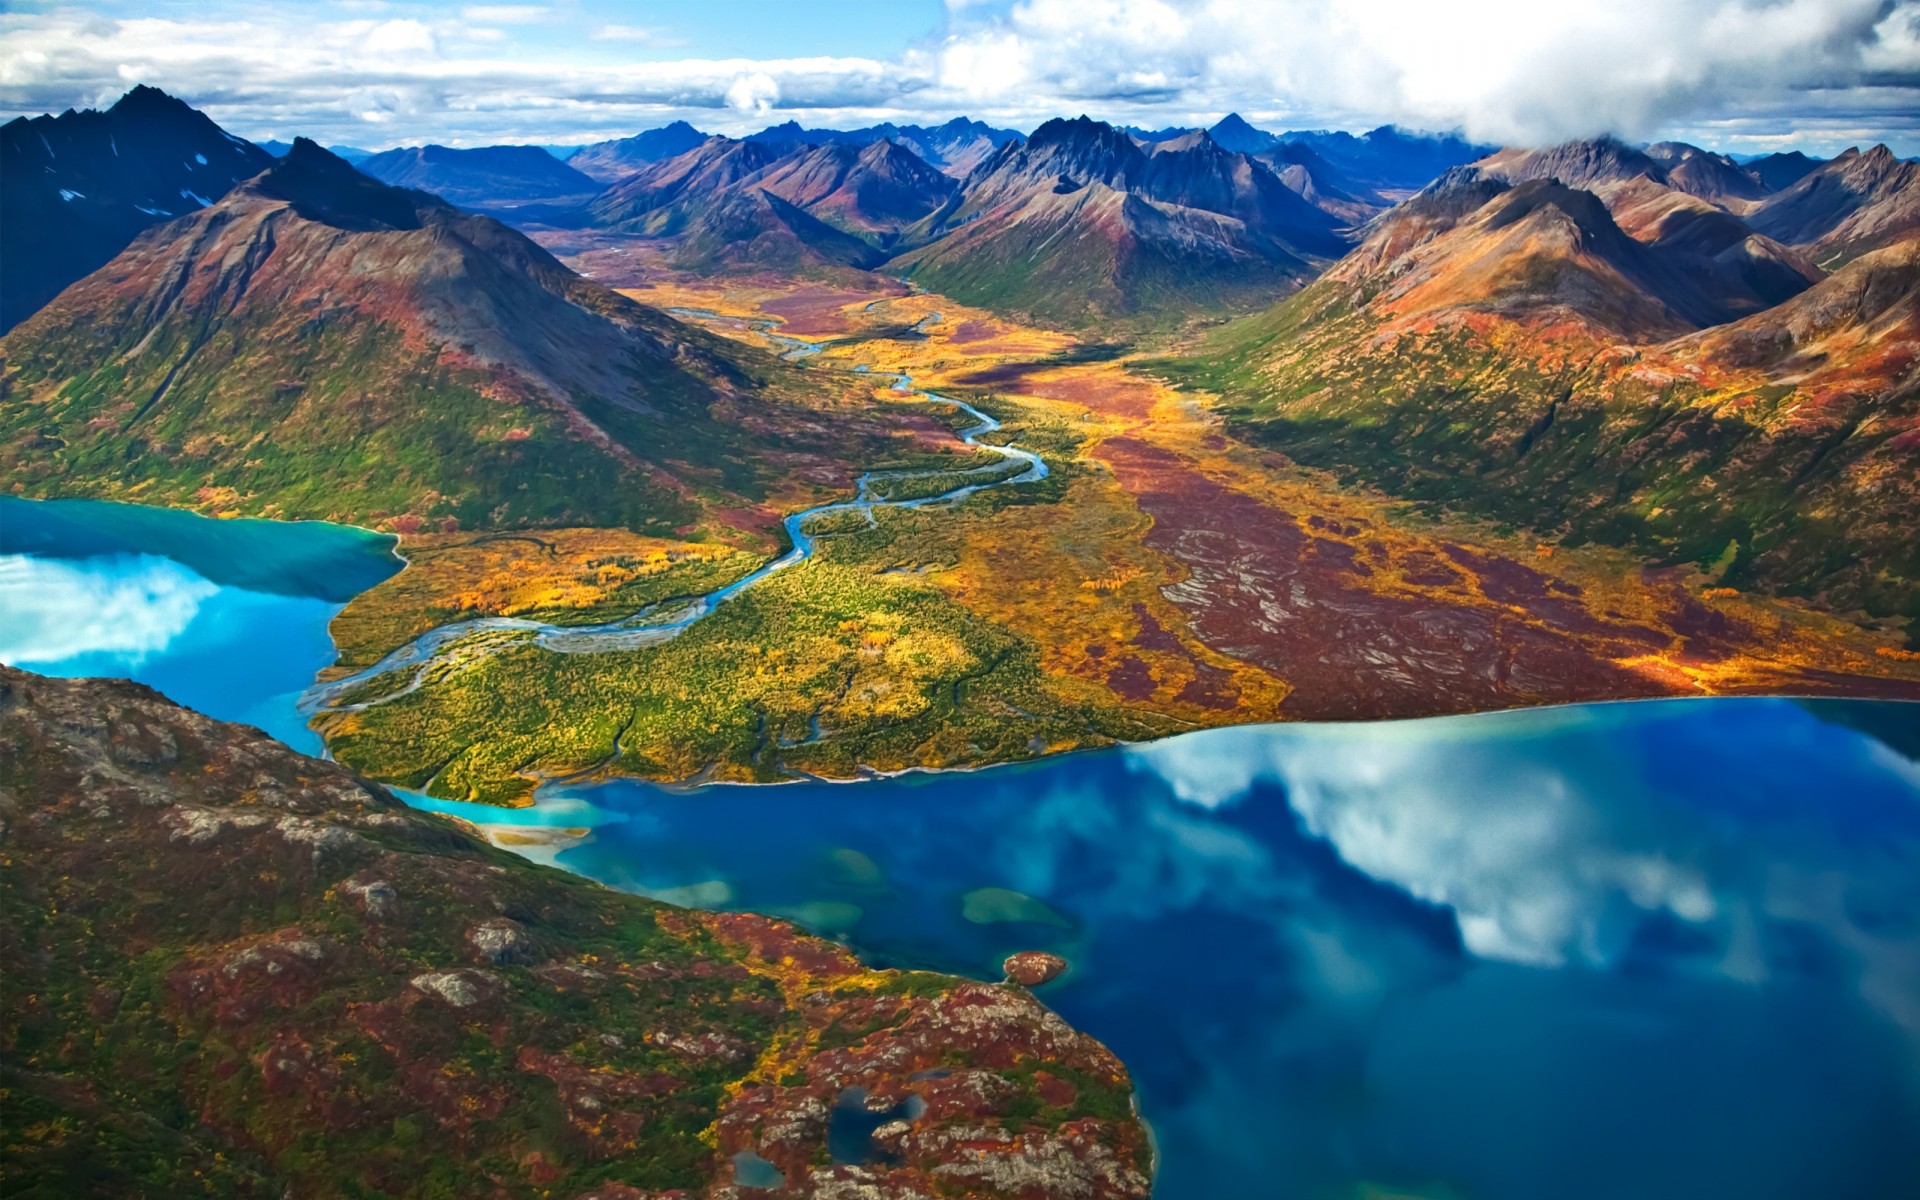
(1649, 950)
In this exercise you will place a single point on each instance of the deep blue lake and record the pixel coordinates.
(1663, 949)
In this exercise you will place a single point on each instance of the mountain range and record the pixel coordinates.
(485, 176)
(956, 147)
(321, 344)
(612, 160)
(1081, 222)
(1535, 352)
(1520, 329)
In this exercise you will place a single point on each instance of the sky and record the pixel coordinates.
(1738, 75)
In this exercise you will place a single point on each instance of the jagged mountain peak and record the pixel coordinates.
(787, 131)
(143, 98)
(321, 186)
(1853, 203)
(1585, 163)
(1078, 132)
(1235, 133)
(76, 188)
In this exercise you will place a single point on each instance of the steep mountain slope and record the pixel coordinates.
(1511, 352)
(76, 188)
(1847, 206)
(663, 197)
(230, 970)
(1538, 252)
(488, 174)
(755, 230)
(613, 160)
(320, 344)
(1080, 223)
(1677, 200)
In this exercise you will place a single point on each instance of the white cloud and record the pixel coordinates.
(128, 605)
(1505, 70)
(399, 39)
(753, 93)
(1749, 74)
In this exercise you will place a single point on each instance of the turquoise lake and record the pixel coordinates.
(1662, 949)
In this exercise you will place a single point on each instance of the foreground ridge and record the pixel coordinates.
(232, 969)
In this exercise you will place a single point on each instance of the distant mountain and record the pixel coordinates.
(1855, 203)
(1232, 132)
(1710, 176)
(1591, 165)
(320, 344)
(1321, 184)
(876, 189)
(661, 198)
(77, 188)
(485, 175)
(1080, 222)
(1150, 136)
(755, 230)
(1389, 158)
(1682, 202)
(955, 148)
(790, 206)
(609, 161)
(352, 154)
(1776, 172)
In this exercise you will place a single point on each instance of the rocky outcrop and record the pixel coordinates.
(1031, 968)
(230, 968)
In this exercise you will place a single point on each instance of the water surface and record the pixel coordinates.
(228, 617)
(1662, 949)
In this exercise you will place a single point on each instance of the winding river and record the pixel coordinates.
(656, 623)
(1664, 949)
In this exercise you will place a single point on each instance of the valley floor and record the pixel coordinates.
(1166, 576)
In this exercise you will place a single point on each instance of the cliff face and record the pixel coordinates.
(227, 969)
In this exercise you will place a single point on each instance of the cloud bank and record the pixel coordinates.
(1746, 74)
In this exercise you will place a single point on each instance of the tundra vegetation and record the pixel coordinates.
(231, 970)
(1029, 619)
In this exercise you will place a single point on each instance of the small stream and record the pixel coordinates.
(659, 622)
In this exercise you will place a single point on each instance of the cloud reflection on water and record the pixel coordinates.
(1567, 837)
(127, 605)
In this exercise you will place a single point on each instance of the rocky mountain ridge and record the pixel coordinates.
(231, 970)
